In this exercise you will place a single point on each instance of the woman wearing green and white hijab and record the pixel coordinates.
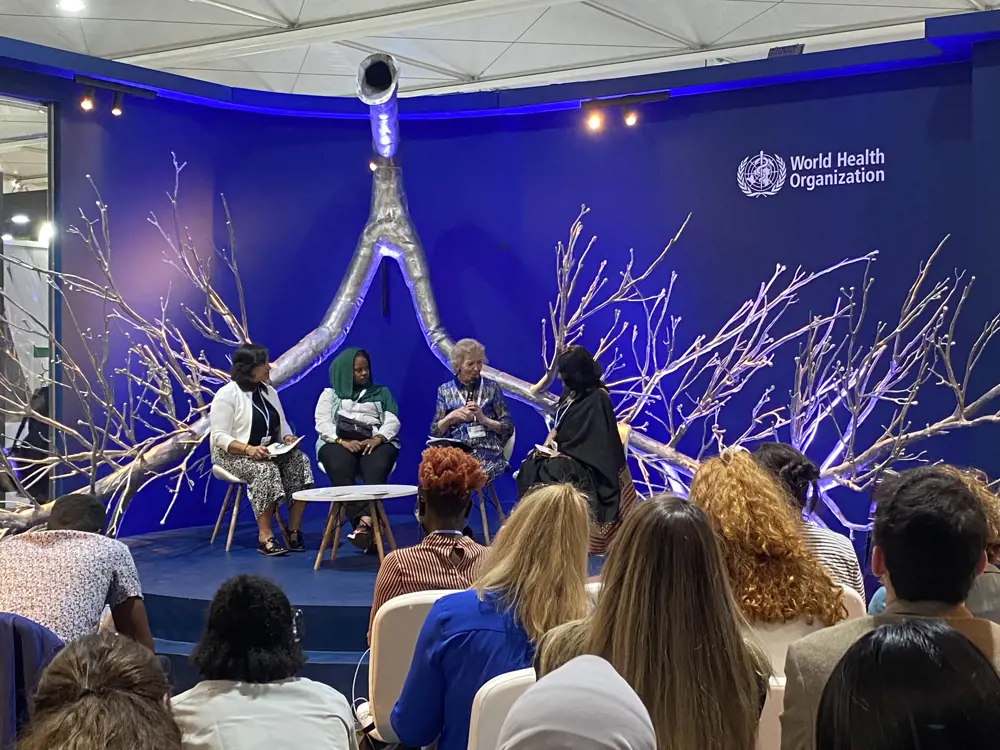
(358, 425)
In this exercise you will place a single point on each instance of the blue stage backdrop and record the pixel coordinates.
(491, 196)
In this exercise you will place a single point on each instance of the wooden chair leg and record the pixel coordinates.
(372, 511)
(482, 512)
(385, 522)
(281, 525)
(338, 528)
(496, 503)
(222, 513)
(236, 512)
(327, 531)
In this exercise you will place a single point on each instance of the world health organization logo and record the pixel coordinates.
(761, 175)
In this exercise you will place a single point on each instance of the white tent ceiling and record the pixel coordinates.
(315, 46)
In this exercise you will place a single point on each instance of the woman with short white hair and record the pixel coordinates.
(471, 410)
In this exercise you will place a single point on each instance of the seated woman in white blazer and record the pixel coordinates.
(246, 417)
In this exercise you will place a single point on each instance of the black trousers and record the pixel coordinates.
(343, 469)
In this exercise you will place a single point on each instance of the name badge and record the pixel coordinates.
(265, 441)
(477, 431)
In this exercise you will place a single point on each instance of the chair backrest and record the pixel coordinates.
(624, 431)
(593, 591)
(855, 603)
(769, 726)
(492, 704)
(394, 637)
(774, 638)
(508, 447)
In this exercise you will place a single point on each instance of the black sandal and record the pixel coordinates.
(295, 541)
(271, 548)
(363, 536)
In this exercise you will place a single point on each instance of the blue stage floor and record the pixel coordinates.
(180, 573)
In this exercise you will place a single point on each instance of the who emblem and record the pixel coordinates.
(761, 175)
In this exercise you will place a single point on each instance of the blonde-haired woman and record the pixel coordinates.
(702, 683)
(773, 576)
(529, 584)
(471, 410)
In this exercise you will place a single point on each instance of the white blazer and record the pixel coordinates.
(232, 414)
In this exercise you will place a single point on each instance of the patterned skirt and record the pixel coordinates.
(493, 463)
(268, 482)
(602, 535)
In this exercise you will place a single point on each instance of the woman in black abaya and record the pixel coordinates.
(586, 448)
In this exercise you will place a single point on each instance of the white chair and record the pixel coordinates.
(238, 484)
(491, 492)
(774, 638)
(855, 604)
(491, 705)
(769, 726)
(394, 637)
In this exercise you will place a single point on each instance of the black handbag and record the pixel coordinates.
(352, 429)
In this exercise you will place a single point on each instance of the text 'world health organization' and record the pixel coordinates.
(763, 175)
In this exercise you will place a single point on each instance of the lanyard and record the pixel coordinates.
(561, 414)
(265, 412)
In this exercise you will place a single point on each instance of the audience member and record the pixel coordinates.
(774, 578)
(530, 583)
(67, 573)
(471, 410)
(911, 685)
(102, 691)
(703, 684)
(26, 648)
(357, 421)
(446, 558)
(250, 698)
(797, 475)
(930, 543)
(585, 705)
(585, 448)
(984, 596)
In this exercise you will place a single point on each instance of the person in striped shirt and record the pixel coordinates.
(797, 475)
(446, 558)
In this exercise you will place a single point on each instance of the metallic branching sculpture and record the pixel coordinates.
(141, 420)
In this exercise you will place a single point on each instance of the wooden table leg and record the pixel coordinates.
(337, 528)
(482, 512)
(326, 535)
(385, 521)
(496, 503)
(222, 513)
(373, 512)
(236, 512)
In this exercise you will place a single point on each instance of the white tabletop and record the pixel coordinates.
(355, 493)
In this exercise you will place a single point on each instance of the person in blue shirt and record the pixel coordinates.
(529, 584)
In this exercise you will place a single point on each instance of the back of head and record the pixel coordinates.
(584, 705)
(931, 531)
(251, 634)
(665, 561)
(538, 562)
(80, 511)
(978, 484)
(774, 579)
(448, 477)
(578, 370)
(794, 472)
(102, 691)
(910, 685)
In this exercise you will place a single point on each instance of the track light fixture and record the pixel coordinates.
(87, 102)
(116, 107)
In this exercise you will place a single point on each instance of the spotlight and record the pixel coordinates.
(116, 108)
(72, 6)
(595, 121)
(87, 103)
(7, 238)
(372, 166)
(20, 219)
(631, 118)
(45, 233)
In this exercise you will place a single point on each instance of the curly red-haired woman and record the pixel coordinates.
(446, 558)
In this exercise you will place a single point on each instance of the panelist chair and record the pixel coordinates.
(237, 484)
(489, 491)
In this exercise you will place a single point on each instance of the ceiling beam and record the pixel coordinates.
(977, 4)
(279, 23)
(622, 16)
(660, 61)
(383, 23)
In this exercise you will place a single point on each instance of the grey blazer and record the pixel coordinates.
(811, 660)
